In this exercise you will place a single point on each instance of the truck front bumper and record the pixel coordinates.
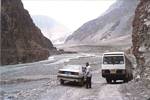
(117, 74)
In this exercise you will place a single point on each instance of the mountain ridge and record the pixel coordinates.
(110, 25)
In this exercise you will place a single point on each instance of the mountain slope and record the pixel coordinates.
(21, 40)
(50, 28)
(114, 23)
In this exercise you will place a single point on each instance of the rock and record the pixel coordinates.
(21, 40)
(137, 78)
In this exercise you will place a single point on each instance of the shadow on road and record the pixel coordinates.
(73, 84)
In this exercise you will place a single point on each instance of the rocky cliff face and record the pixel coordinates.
(114, 24)
(21, 40)
(141, 38)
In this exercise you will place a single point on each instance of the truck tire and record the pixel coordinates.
(114, 80)
(61, 81)
(126, 79)
(131, 77)
(108, 80)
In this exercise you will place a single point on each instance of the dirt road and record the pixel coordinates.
(38, 81)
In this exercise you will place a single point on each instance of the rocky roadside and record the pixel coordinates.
(137, 90)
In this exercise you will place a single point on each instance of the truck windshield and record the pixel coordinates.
(113, 60)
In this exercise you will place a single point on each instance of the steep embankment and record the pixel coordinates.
(114, 25)
(21, 40)
(141, 38)
(139, 88)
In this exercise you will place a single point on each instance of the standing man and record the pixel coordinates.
(88, 76)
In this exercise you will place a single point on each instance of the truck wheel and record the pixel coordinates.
(61, 81)
(114, 80)
(131, 77)
(126, 79)
(108, 80)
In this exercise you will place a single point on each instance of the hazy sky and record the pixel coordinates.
(71, 13)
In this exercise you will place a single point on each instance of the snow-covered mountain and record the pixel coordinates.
(115, 25)
(52, 29)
